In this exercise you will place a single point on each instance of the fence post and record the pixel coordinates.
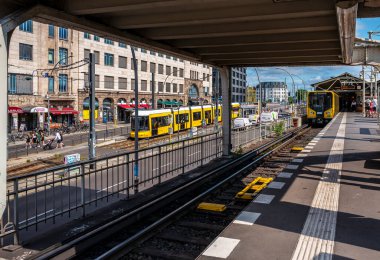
(202, 150)
(159, 164)
(216, 145)
(83, 202)
(183, 156)
(15, 212)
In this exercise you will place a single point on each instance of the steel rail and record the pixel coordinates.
(93, 233)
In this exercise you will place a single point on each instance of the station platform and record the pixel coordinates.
(324, 205)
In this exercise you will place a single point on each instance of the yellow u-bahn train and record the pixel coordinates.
(159, 122)
(322, 106)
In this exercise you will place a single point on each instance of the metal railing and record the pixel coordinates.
(246, 135)
(75, 190)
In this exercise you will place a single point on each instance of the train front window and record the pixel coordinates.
(143, 123)
(320, 101)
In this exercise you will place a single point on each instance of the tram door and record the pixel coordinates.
(208, 117)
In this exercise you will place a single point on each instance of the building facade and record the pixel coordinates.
(46, 65)
(239, 84)
(250, 94)
(275, 92)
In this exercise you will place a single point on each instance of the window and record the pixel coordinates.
(63, 33)
(143, 123)
(108, 82)
(160, 69)
(175, 59)
(197, 116)
(167, 87)
(63, 56)
(97, 81)
(87, 53)
(133, 83)
(181, 72)
(135, 48)
(86, 80)
(168, 57)
(26, 26)
(144, 66)
(143, 50)
(180, 88)
(175, 88)
(153, 53)
(25, 51)
(19, 84)
(160, 86)
(50, 84)
(182, 118)
(108, 59)
(97, 57)
(63, 83)
(123, 83)
(51, 31)
(122, 45)
(51, 56)
(108, 41)
(87, 35)
(175, 70)
(153, 67)
(204, 76)
(144, 85)
(168, 70)
(133, 64)
(96, 38)
(160, 55)
(122, 62)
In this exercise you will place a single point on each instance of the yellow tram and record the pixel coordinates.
(159, 122)
(322, 106)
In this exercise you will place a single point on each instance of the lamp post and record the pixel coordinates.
(304, 86)
(291, 78)
(48, 118)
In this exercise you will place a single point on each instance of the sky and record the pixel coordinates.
(313, 74)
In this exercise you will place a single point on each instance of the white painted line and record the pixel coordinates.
(264, 199)
(313, 142)
(110, 186)
(247, 218)
(276, 185)
(301, 155)
(222, 247)
(39, 215)
(155, 169)
(194, 153)
(297, 160)
(291, 167)
(306, 151)
(285, 175)
(318, 234)
(309, 147)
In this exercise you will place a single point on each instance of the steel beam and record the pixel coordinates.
(226, 109)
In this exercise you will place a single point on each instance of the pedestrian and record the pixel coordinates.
(28, 140)
(375, 104)
(58, 138)
(42, 137)
(38, 139)
(371, 111)
(34, 138)
(353, 106)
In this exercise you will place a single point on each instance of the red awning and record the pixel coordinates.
(125, 106)
(131, 106)
(64, 111)
(15, 110)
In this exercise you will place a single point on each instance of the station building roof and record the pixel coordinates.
(216, 32)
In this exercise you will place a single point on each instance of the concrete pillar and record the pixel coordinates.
(226, 114)
(3, 117)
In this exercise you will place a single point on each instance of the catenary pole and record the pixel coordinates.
(92, 137)
(153, 90)
(136, 168)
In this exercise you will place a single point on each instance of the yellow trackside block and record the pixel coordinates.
(296, 149)
(212, 207)
(253, 188)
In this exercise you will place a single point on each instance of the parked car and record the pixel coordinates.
(241, 122)
(254, 119)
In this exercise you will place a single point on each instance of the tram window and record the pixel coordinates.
(181, 118)
(197, 116)
(160, 121)
(143, 123)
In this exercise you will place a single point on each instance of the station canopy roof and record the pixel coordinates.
(216, 32)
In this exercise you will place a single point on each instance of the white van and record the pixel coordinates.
(254, 118)
(241, 122)
(266, 117)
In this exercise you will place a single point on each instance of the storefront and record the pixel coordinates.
(32, 118)
(13, 118)
(63, 115)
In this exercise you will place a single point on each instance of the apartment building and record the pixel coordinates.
(273, 92)
(46, 65)
(250, 94)
(239, 84)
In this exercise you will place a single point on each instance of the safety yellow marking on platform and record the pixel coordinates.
(212, 207)
(296, 149)
(253, 188)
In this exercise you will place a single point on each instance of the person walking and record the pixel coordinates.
(353, 106)
(34, 139)
(38, 139)
(58, 138)
(28, 141)
(42, 138)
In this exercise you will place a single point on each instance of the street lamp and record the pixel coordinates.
(304, 87)
(291, 78)
(48, 107)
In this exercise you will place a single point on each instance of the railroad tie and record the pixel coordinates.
(253, 188)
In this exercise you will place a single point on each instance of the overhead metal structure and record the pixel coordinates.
(217, 32)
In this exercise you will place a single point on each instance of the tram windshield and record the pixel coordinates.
(320, 101)
(143, 123)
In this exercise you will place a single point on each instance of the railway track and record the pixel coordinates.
(170, 221)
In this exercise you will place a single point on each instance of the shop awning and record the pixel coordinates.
(32, 109)
(64, 111)
(131, 106)
(15, 110)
